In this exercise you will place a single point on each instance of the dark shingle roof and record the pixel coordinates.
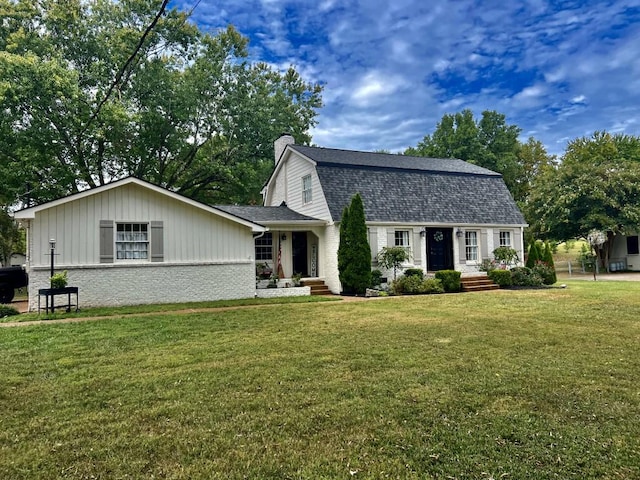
(260, 214)
(350, 158)
(396, 188)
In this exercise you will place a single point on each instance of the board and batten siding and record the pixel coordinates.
(288, 187)
(189, 234)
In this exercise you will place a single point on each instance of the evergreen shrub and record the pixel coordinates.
(500, 277)
(415, 272)
(450, 280)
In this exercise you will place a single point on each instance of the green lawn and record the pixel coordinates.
(530, 384)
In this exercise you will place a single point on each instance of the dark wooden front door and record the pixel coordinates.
(299, 246)
(439, 249)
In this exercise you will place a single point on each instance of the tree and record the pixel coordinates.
(489, 142)
(354, 252)
(9, 237)
(596, 186)
(392, 257)
(547, 258)
(534, 255)
(97, 90)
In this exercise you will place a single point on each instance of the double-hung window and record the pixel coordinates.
(132, 241)
(307, 192)
(264, 247)
(401, 238)
(505, 239)
(471, 245)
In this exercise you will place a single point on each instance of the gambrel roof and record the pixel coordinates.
(399, 188)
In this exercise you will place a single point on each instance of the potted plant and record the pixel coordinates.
(59, 280)
(295, 279)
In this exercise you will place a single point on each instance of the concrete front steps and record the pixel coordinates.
(317, 286)
(477, 283)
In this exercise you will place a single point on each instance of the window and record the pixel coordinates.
(505, 239)
(132, 241)
(264, 247)
(401, 238)
(471, 245)
(632, 245)
(307, 193)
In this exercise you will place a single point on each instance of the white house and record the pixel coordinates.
(625, 253)
(449, 213)
(131, 242)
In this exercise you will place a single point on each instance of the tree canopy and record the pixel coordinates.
(488, 142)
(96, 90)
(595, 186)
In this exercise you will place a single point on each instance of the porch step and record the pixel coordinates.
(477, 283)
(317, 287)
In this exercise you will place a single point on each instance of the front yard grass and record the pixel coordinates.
(537, 384)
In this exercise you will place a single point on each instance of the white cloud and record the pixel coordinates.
(373, 86)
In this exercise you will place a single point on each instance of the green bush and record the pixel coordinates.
(376, 278)
(501, 277)
(414, 272)
(414, 285)
(525, 277)
(7, 311)
(545, 271)
(450, 280)
(549, 275)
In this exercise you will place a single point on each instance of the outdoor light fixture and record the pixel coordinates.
(283, 237)
(423, 232)
(52, 244)
(459, 233)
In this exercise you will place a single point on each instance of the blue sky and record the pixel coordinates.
(390, 69)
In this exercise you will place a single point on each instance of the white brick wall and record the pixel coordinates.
(331, 274)
(283, 292)
(114, 285)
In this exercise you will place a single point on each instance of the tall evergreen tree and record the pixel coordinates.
(547, 258)
(355, 260)
(343, 247)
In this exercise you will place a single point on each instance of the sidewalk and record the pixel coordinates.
(623, 276)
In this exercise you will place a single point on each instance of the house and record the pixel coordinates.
(132, 242)
(448, 213)
(625, 253)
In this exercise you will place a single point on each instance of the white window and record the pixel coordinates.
(132, 241)
(401, 238)
(471, 245)
(307, 193)
(264, 247)
(505, 239)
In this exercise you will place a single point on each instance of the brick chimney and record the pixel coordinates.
(281, 143)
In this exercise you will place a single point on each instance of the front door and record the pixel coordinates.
(299, 246)
(439, 249)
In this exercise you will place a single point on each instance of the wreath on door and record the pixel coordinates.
(438, 236)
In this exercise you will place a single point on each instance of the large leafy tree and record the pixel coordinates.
(488, 142)
(596, 186)
(95, 90)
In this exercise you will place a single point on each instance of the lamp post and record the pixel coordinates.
(52, 244)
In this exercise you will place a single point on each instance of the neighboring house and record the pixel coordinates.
(625, 253)
(132, 242)
(448, 213)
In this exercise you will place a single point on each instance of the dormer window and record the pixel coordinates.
(307, 192)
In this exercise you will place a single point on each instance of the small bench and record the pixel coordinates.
(50, 294)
